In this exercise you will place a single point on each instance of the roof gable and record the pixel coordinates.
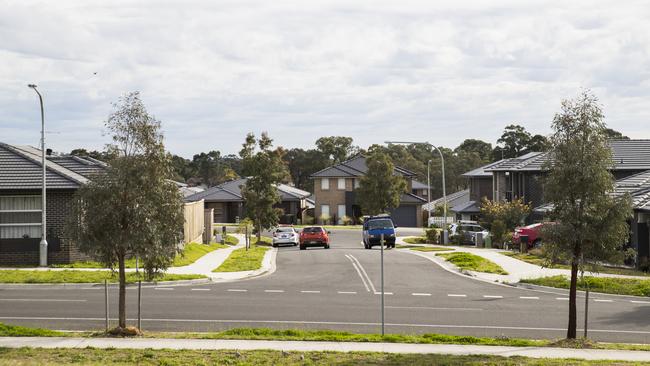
(354, 167)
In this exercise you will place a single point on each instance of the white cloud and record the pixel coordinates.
(212, 71)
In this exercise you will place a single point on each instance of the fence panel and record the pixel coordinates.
(193, 228)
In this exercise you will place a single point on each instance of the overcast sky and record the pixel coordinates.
(212, 71)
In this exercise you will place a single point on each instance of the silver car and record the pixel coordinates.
(285, 235)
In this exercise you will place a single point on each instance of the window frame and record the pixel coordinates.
(324, 184)
(38, 226)
(338, 184)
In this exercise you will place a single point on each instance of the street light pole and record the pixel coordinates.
(43, 244)
(444, 185)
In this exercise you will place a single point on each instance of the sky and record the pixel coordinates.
(212, 71)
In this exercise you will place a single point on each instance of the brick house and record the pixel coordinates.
(228, 202)
(20, 203)
(335, 196)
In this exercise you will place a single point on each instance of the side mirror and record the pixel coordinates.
(394, 227)
(329, 232)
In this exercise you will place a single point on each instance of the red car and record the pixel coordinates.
(314, 236)
(534, 235)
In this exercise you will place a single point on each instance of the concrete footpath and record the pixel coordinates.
(305, 346)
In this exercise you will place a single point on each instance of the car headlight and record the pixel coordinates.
(391, 235)
(373, 236)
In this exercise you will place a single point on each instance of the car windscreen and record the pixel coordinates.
(380, 224)
(471, 228)
(284, 230)
(312, 230)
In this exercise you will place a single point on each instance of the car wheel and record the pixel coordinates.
(294, 244)
(274, 245)
(537, 244)
(327, 246)
(302, 247)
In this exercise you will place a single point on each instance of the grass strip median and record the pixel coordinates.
(472, 262)
(75, 276)
(94, 356)
(539, 261)
(243, 260)
(608, 285)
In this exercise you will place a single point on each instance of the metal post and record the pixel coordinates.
(140, 304)
(382, 284)
(429, 192)
(246, 238)
(586, 307)
(106, 301)
(43, 244)
(444, 195)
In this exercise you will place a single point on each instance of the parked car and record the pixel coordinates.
(534, 235)
(285, 235)
(468, 230)
(374, 227)
(314, 236)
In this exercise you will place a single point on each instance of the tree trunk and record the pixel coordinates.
(122, 303)
(573, 317)
(259, 233)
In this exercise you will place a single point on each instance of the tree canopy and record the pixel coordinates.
(380, 189)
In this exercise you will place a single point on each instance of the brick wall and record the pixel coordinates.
(332, 196)
(57, 210)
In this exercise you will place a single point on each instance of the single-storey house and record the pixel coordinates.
(335, 195)
(229, 205)
(21, 208)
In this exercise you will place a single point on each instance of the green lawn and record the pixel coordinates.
(432, 249)
(243, 260)
(72, 276)
(619, 286)
(416, 240)
(264, 240)
(538, 260)
(473, 262)
(94, 356)
(191, 253)
(7, 330)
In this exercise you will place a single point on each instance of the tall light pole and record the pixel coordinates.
(43, 244)
(429, 191)
(444, 188)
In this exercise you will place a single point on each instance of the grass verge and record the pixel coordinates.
(416, 240)
(473, 262)
(539, 261)
(94, 356)
(72, 276)
(264, 240)
(608, 285)
(243, 260)
(7, 330)
(432, 249)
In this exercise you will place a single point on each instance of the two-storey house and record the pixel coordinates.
(335, 194)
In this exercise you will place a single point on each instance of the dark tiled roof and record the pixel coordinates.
(481, 171)
(354, 167)
(419, 185)
(626, 155)
(20, 168)
(231, 192)
(453, 200)
(410, 198)
(467, 207)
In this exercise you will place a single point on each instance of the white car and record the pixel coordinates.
(285, 235)
(469, 230)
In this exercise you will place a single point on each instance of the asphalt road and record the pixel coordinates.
(339, 289)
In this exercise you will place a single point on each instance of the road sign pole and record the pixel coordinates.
(586, 307)
(106, 302)
(140, 304)
(382, 284)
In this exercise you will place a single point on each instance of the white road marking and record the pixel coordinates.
(347, 292)
(603, 300)
(310, 292)
(44, 300)
(372, 287)
(236, 290)
(163, 288)
(358, 272)
(200, 289)
(432, 308)
(385, 293)
(420, 294)
(273, 290)
(493, 296)
(529, 297)
(562, 298)
(456, 295)
(243, 321)
(639, 302)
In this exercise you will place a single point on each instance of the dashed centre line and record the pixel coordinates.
(200, 289)
(639, 302)
(274, 291)
(421, 294)
(347, 292)
(529, 297)
(493, 296)
(163, 288)
(456, 295)
(310, 292)
(562, 298)
(603, 300)
(385, 293)
(236, 290)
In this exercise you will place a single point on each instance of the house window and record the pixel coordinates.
(20, 217)
(357, 183)
(325, 184)
(325, 210)
(341, 184)
(341, 213)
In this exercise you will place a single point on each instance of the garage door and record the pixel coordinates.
(405, 216)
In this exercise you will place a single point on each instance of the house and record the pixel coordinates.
(638, 187)
(229, 206)
(335, 195)
(21, 208)
(420, 189)
(453, 200)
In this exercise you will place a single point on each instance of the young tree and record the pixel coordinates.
(265, 170)
(590, 224)
(501, 218)
(380, 189)
(132, 210)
